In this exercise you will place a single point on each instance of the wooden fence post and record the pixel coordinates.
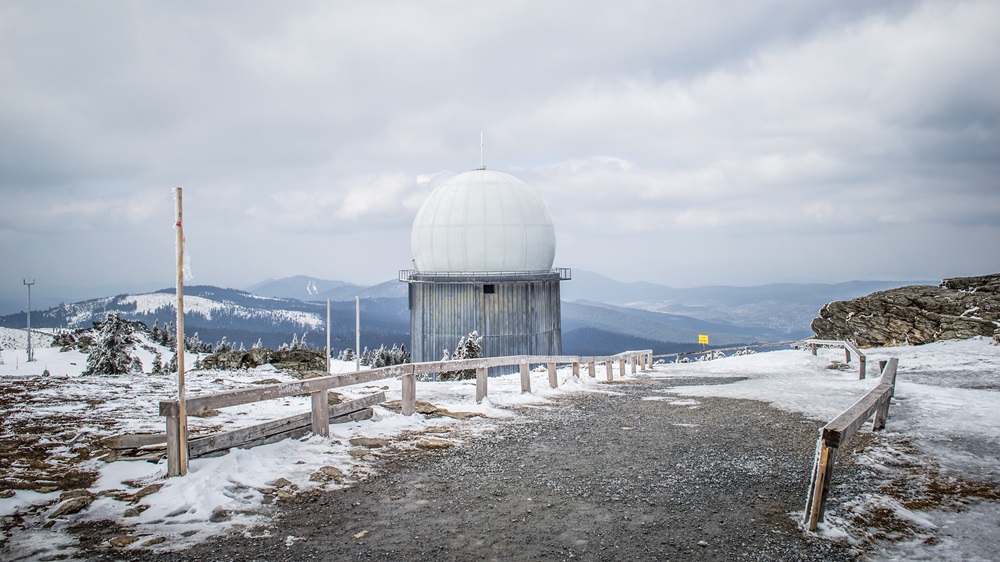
(576, 369)
(812, 348)
(632, 363)
(409, 394)
(553, 381)
(621, 367)
(862, 367)
(592, 368)
(321, 412)
(481, 382)
(173, 445)
(847, 355)
(609, 366)
(525, 378)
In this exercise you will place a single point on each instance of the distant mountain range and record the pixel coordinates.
(600, 315)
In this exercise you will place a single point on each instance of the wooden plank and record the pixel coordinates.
(294, 433)
(481, 383)
(819, 478)
(173, 446)
(525, 379)
(831, 459)
(206, 402)
(134, 441)
(409, 397)
(320, 412)
(846, 424)
(254, 433)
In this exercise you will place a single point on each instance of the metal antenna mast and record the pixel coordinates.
(30, 355)
(482, 161)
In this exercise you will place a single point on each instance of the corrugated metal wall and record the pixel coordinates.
(518, 318)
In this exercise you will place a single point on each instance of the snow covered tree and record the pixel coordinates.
(258, 345)
(157, 368)
(347, 354)
(223, 346)
(470, 347)
(111, 353)
(295, 342)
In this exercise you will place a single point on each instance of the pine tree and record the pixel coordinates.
(258, 345)
(295, 342)
(468, 348)
(157, 364)
(111, 353)
(223, 346)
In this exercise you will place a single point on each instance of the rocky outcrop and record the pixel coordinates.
(292, 359)
(958, 308)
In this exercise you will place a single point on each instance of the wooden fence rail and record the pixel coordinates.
(848, 349)
(838, 431)
(318, 389)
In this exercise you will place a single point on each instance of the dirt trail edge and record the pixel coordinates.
(596, 476)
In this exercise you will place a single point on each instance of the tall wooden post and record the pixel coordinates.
(328, 335)
(525, 378)
(180, 450)
(553, 381)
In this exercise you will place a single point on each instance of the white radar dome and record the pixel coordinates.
(483, 220)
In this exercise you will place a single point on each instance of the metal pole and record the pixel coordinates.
(30, 356)
(182, 456)
(357, 333)
(328, 335)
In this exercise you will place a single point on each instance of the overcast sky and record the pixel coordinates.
(684, 143)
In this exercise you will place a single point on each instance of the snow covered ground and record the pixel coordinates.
(943, 429)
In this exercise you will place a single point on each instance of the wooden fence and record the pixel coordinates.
(838, 431)
(848, 349)
(321, 413)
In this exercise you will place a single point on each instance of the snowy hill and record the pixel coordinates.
(240, 316)
(787, 308)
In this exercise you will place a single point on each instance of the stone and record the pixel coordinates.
(430, 410)
(327, 474)
(123, 541)
(958, 308)
(369, 442)
(154, 541)
(434, 444)
(6, 493)
(280, 483)
(79, 493)
(71, 506)
(148, 490)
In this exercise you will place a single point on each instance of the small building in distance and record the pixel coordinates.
(483, 247)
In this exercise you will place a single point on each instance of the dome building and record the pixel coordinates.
(483, 246)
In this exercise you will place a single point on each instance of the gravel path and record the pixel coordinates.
(594, 477)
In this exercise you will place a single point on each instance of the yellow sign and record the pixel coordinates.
(703, 339)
